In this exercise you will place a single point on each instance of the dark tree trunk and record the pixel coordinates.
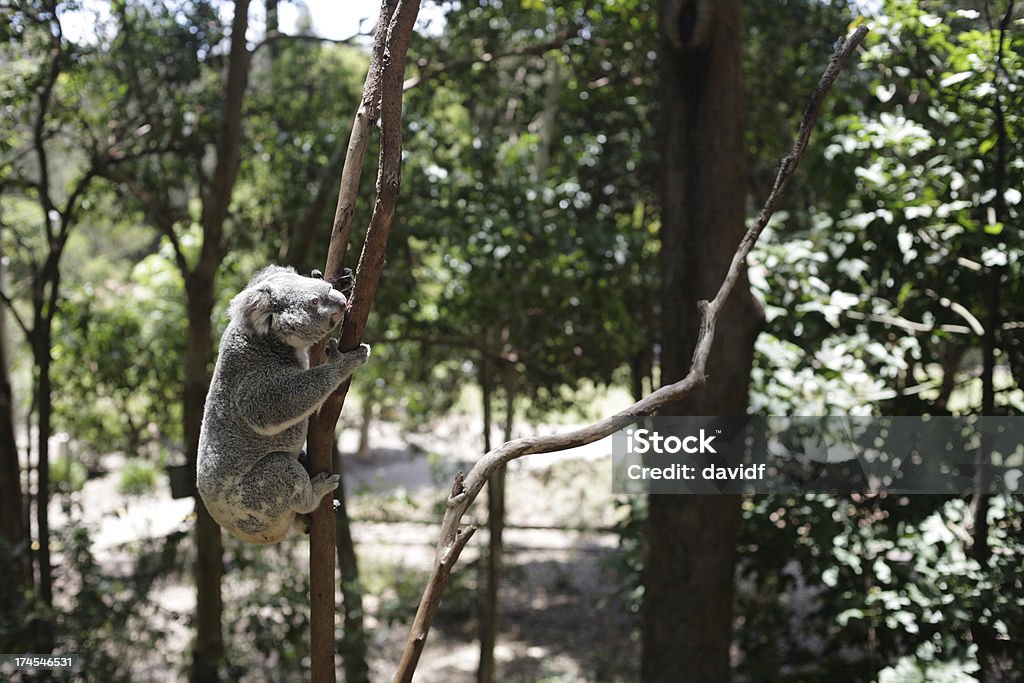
(209, 569)
(200, 289)
(489, 569)
(12, 523)
(690, 543)
(41, 353)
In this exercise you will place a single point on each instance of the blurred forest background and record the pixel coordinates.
(150, 164)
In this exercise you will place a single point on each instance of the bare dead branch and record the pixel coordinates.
(452, 539)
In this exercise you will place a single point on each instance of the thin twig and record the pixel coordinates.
(453, 539)
(429, 71)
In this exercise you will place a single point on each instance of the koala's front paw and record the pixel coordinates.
(350, 360)
(331, 352)
(344, 283)
(362, 354)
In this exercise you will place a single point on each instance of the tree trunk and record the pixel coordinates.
(490, 624)
(200, 289)
(41, 354)
(490, 570)
(690, 543)
(363, 450)
(353, 642)
(12, 523)
(209, 644)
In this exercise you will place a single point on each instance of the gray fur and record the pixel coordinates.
(261, 395)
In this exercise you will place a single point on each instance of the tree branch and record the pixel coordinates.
(452, 538)
(382, 92)
(14, 312)
(160, 213)
(362, 127)
(427, 71)
(277, 36)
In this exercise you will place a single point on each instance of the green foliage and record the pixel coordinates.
(67, 475)
(137, 478)
(118, 357)
(888, 281)
(301, 98)
(829, 586)
(533, 219)
(266, 611)
(108, 618)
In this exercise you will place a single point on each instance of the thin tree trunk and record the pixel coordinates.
(354, 642)
(690, 542)
(41, 351)
(200, 286)
(209, 644)
(950, 356)
(363, 451)
(490, 622)
(13, 522)
(982, 633)
(489, 570)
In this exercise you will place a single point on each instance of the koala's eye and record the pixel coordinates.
(315, 301)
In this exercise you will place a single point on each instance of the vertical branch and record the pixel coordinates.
(362, 127)
(383, 85)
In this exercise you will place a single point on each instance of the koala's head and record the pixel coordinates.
(297, 310)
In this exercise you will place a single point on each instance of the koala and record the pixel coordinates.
(249, 473)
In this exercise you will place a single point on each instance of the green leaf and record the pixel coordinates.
(955, 78)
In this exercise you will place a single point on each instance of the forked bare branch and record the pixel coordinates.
(453, 538)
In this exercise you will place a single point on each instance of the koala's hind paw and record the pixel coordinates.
(324, 483)
(303, 523)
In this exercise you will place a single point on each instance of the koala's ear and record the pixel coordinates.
(268, 272)
(254, 307)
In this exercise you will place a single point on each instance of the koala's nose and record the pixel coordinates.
(337, 298)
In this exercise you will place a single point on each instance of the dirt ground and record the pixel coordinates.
(564, 613)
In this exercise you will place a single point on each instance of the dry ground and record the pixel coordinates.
(564, 615)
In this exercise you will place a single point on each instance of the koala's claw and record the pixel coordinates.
(327, 478)
(344, 283)
(316, 274)
(332, 346)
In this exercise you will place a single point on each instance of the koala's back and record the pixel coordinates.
(229, 445)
